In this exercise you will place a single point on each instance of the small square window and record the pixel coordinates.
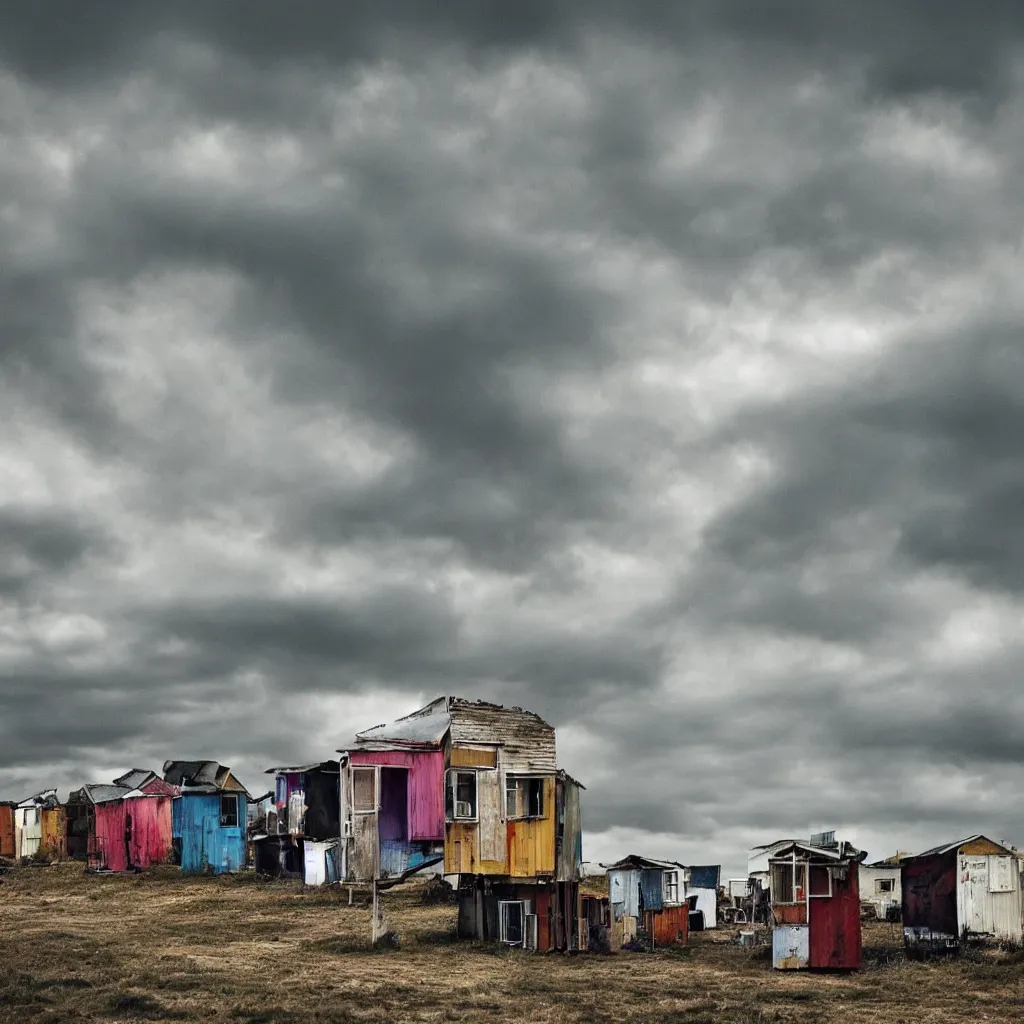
(884, 885)
(460, 796)
(524, 798)
(229, 811)
(364, 790)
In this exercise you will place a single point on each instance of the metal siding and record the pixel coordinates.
(176, 817)
(151, 830)
(527, 742)
(109, 839)
(426, 786)
(651, 888)
(30, 834)
(707, 904)
(929, 889)
(624, 887)
(570, 858)
(669, 927)
(835, 940)
(790, 947)
(981, 911)
(54, 831)
(205, 846)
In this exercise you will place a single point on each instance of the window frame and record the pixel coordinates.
(880, 886)
(233, 797)
(790, 866)
(828, 874)
(372, 769)
(670, 883)
(503, 906)
(512, 785)
(452, 793)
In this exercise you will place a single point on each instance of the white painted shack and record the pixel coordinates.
(967, 889)
(881, 885)
(28, 822)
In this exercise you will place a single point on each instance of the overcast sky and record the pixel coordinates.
(660, 372)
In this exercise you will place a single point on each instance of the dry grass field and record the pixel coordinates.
(160, 948)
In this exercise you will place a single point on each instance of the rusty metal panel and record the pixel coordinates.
(527, 741)
(7, 847)
(473, 757)
(54, 832)
(670, 927)
(790, 947)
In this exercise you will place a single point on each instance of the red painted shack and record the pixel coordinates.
(815, 906)
(118, 828)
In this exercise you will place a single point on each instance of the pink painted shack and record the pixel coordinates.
(122, 827)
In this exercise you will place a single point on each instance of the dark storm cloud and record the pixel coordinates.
(406, 349)
(909, 46)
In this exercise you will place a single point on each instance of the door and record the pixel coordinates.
(972, 894)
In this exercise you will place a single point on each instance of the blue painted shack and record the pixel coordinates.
(208, 821)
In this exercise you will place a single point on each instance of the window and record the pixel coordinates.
(511, 922)
(364, 790)
(883, 885)
(670, 886)
(789, 882)
(229, 811)
(1003, 875)
(460, 795)
(524, 798)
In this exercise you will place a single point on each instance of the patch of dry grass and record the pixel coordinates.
(156, 947)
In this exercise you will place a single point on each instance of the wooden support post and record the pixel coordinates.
(350, 895)
(376, 913)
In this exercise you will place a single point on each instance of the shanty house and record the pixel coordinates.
(208, 817)
(881, 885)
(970, 888)
(38, 826)
(301, 837)
(649, 897)
(474, 789)
(702, 883)
(815, 906)
(123, 826)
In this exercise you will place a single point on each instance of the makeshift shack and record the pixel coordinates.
(970, 889)
(301, 835)
(28, 825)
(208, 817)
(881, 885)
(114, 828)
(648, 902)
(815, 906)
(702, 893)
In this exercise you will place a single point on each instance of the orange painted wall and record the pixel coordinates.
(6, 831)
(460, 849)
(54, 825)
(670, 926)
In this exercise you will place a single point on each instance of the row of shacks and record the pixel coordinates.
(814, 893)
(472, 791)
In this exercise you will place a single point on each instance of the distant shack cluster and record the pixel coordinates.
(472, 791)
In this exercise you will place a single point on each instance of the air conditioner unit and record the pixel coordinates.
(346, 829)
(463, 809)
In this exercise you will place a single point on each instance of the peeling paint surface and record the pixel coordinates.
(205, 845)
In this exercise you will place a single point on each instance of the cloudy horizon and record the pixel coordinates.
(655, 371)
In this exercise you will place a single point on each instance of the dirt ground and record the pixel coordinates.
(157, 947)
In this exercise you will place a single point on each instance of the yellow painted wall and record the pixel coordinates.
(472, 757)
(54, 831)
(531, 843)
(982, 846)
(460, 848)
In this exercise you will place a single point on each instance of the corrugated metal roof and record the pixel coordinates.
(198, 776)
(843, 851)
(45, 798)
(102, 793)
(414, 729)
(634, 862)
(324, 766)
(136, 778)
(938, 851)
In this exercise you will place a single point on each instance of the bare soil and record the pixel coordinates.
(156, 947)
